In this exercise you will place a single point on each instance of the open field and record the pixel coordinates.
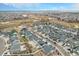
(16, 23)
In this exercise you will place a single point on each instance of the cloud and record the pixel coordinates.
(41, 6)
(22, 5)
(76, 6)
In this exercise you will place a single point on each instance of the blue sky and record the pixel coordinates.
(38, 6)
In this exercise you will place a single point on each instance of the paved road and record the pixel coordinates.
(58, 47)
(61, 50)
(67, 31)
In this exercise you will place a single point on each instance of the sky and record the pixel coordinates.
(38, 6)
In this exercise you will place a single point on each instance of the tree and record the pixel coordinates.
(24, 39)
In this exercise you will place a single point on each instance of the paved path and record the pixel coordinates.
(2, 46)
